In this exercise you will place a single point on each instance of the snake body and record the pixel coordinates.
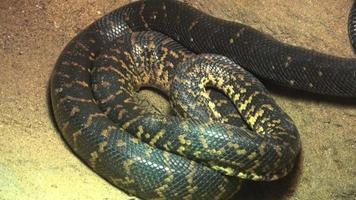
(352, 25)
(152, 60)
(157, 157)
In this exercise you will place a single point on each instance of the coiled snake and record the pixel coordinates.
(206, 148)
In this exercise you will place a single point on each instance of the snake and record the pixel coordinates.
(352, 25)
(204, 150)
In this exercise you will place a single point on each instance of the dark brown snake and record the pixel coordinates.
(211, 143)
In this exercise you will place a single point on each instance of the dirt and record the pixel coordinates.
(35, 163)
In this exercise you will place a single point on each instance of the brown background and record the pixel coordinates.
(35, 162)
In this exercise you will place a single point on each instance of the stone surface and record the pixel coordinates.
(35, 163)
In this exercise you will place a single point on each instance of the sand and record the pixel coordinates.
(35, 163)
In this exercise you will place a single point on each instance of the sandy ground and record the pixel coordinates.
(35, 163)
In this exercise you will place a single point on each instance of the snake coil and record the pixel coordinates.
(207, 149)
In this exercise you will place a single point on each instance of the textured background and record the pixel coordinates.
(35, 163)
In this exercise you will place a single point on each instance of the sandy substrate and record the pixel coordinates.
(35, 163)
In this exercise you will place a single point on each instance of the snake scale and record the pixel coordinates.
(205, 149)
